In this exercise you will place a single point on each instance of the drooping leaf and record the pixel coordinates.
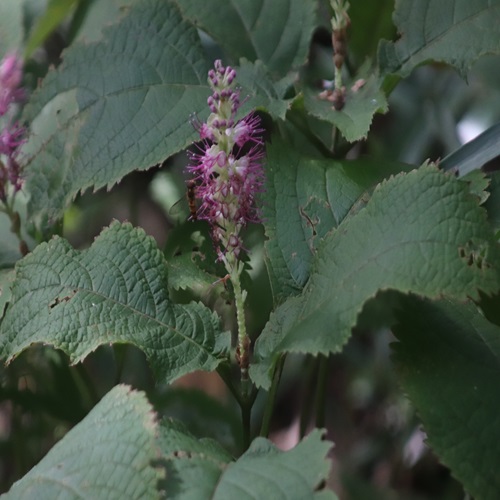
(474, 154)
(114, 106)
(449, 31)
(355, 118)
(106, 456)
(201, 469)
(421, 232)
(277, 32)
(449, 361)
(116, 291)
(305, 199)
(56, 12)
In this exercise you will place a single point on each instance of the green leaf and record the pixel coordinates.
(116, 291)
(355, 118)
(306, 198)
(56, 12)
(193, 466)
(474, 154)
(277, 32)
(449, 31)
(261, 91)
(421, 232)
(11, 26)
(115, 106)
(106, 456)
(264, 471)
(449, 361)
(201, 469)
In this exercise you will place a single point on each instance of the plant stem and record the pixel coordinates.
(271, 398)
(15, 225)
(320, 397)
(310, 371)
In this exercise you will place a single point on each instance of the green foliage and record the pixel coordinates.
(116, 463)
(420, 232)
(448, 358)
(449, 31)
(91, 128)
(204, 470)
(116, 291)
(367, 241)
(281, 45)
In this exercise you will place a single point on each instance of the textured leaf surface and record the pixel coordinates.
(106, 456)
(305, 199)
(421, 232)
(115, 106)
(116, 291)
(201, 469)
(449, 31)
(277, 32)
(449, 360)
(355, 118)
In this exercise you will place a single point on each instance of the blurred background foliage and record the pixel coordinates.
(379, 445)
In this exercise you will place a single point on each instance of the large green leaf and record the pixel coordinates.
(305, 199)
(449, 360)
(116, 291)
(421, 232)
(107, 456)
(450, 31)
(277, 32)
(115, 106)
(201, 469)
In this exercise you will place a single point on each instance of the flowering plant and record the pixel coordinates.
(334, 276)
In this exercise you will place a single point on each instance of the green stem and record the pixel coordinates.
(320, 397)
(15, 225)
(310, 371)
(271, 398)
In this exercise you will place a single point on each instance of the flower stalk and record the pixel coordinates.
(227, 170)
(11, 138)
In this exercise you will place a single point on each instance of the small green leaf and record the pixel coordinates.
(193, 466)
(264, 471)
(202, 469)
(420, 232)
(449, 361)
(306, 198)
(115, 106)
(355, 118)
(449, 31)
(278, 32)
(106, 456)
(116, 291)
